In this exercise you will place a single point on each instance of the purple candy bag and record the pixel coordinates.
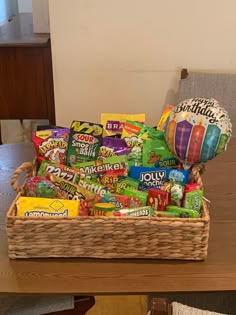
(112, 146)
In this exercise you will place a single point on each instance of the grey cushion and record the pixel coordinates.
(220, 86)
(34, 305)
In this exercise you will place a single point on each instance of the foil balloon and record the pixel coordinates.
(197, 130)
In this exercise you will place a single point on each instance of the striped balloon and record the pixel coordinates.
(171, 135)
(194, 149)
(211, 140)
(182, 136)
(222, 143)
(197, 130)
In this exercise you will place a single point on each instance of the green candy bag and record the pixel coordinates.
(84, 142)
(130, 134)
(151, 133)
(126, 182)
(157, 154)
(138, 196)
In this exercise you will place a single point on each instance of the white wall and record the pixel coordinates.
(125, 56)
(40, 16)
(25, 6)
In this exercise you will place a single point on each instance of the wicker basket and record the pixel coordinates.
(106, 237)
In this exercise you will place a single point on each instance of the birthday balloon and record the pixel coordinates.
(197, 130)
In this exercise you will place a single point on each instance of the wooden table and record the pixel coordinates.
(100, 277)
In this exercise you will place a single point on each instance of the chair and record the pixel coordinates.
(47, 305)
(19, 131)
(162, 307)
(220, 86)
(82, 305)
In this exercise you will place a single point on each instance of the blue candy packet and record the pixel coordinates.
(153, 177)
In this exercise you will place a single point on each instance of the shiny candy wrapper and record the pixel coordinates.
(134, 212)
(37, 186)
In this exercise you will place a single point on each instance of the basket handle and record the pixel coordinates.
(26, 167)
(196, 173)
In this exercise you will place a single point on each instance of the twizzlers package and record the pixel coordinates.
(51, 144)
(84, 142)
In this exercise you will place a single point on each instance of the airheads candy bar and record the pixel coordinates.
(156, 177)
(84, 142)
(51, 144)
(59, 170)
(46, 207)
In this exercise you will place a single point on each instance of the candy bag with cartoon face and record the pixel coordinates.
(130, 134)
(157, 154)
(51, 144)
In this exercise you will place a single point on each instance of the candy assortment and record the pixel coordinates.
(122, 167)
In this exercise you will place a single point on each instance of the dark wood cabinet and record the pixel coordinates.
(26, 76)
(26, 87)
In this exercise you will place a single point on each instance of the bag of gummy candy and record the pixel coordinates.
(156, 153)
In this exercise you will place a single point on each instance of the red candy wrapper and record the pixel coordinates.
(86, 206)
(158, 199)
(51, 144)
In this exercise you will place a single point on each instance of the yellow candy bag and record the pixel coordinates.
(164, 116)
(42, 207)
(113, 123)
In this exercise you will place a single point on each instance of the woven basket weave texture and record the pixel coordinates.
(106, 237)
